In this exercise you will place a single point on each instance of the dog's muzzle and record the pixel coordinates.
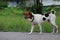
(25, 17)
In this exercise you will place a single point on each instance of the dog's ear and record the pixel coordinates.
(24, 13)
(30, 13)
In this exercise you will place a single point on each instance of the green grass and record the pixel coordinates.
(12, 20)
(13, 23)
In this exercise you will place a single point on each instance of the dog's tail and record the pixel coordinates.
(53, 11)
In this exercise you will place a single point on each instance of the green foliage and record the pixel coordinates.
(47, 9)
(22, 5)
(3, 4)
(11, 11)
(37, 8)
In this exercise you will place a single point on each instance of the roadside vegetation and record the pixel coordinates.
(12, 20)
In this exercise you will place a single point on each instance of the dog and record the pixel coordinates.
(39, 18)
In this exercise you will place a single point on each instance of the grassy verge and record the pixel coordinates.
(19, 24)
(12, 20)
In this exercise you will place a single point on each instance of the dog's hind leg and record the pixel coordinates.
(55, 27)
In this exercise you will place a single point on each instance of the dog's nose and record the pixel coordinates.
(25, 17)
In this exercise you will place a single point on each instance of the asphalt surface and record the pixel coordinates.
(26, 36)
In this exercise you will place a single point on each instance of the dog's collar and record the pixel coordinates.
(32, 19)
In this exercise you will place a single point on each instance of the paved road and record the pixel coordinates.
(25, 36)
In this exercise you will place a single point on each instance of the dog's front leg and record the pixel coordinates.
(32, 27)
(40, 28)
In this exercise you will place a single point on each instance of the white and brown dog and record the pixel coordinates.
(38, 19)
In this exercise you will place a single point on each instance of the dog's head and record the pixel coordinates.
(27, 15)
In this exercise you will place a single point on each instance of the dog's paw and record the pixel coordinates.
(29, 33)
(40, 33)
(57, 32)
(52, 32)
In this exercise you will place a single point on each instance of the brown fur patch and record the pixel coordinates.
(26, 13)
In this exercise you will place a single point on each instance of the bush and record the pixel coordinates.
(37, 8)
(49, 8)
(11, 11)
(3, 4)
(22, 5)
